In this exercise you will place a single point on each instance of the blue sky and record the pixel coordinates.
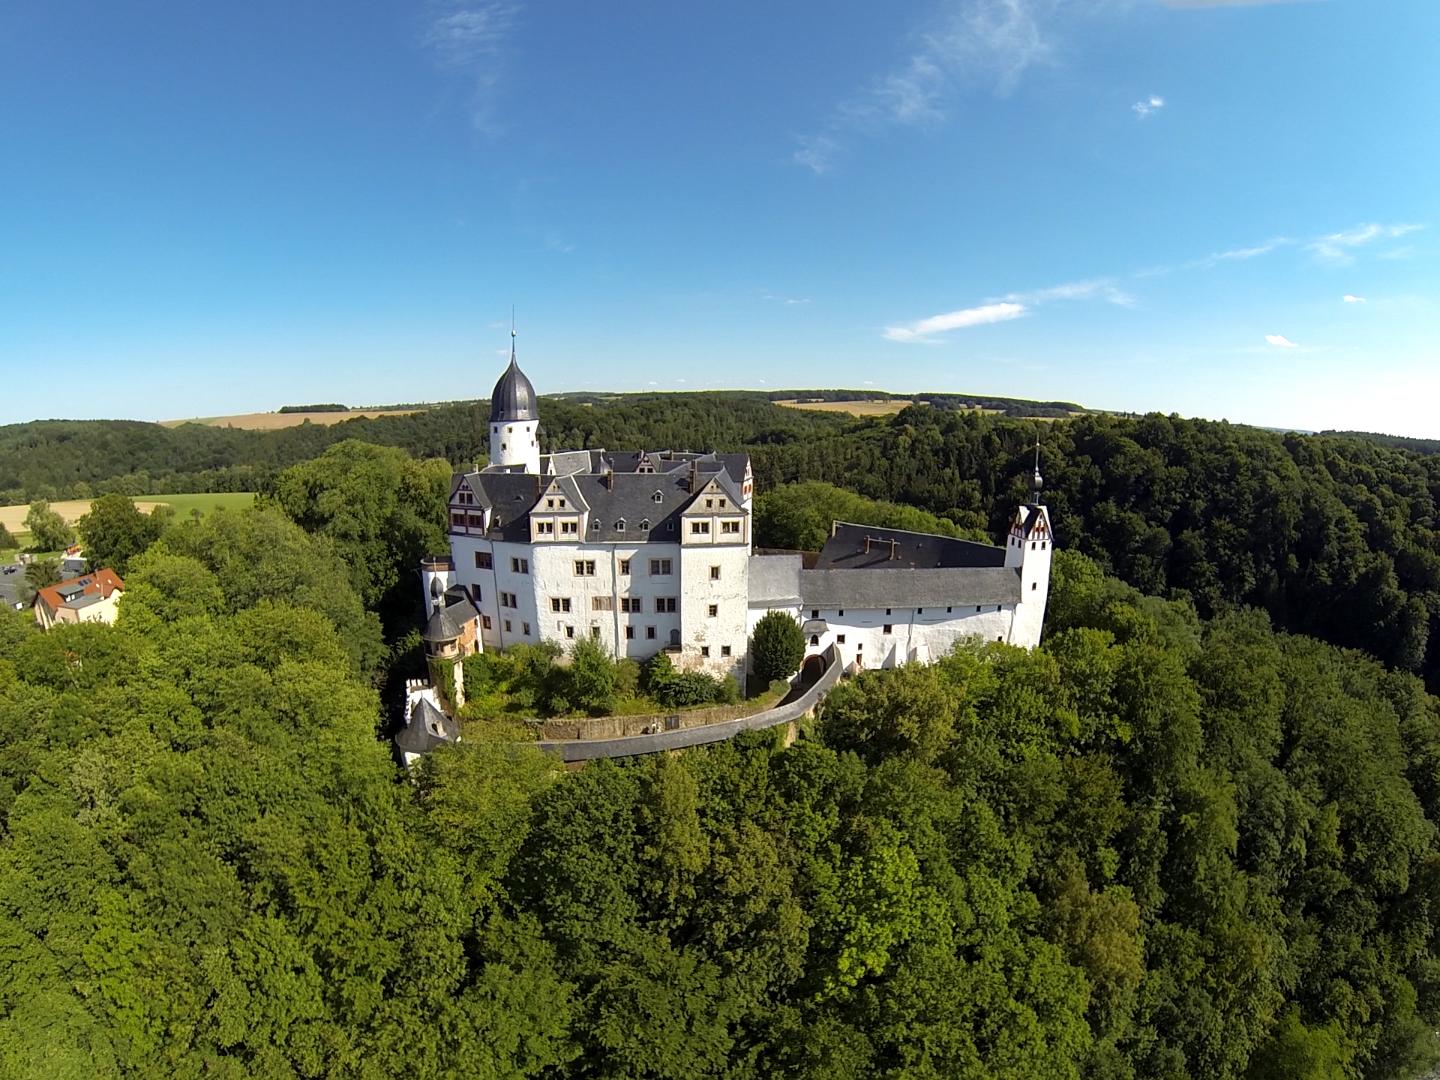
(1222, 209)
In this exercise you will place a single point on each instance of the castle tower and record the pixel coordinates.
(514, 421)
(1029, 546)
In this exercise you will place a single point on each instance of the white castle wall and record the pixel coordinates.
(916, 634)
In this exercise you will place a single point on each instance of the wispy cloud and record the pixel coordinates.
(926, 330)
(467, 39)
(1351, 298)
(1093, 289)
(795, 300)
(1149, 107)
(1226, 3)
(986, 43)
(1280, 341)
(1337, 247)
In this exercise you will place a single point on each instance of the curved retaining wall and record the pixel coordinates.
(630, 745)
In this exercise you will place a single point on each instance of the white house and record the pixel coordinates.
(651, 550)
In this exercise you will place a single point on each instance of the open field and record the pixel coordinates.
(274, 421)
(854, 408)
(13, 517)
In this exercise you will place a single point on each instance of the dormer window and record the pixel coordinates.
(657, 497)
(620, 525)
(645, 525)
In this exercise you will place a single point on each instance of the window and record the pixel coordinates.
(888, 628)
(705, 651)
(948, 610)
(568, 528)
(507, 626)
(559, 604)
(860, 647)
(620, 525)
(594, 631)
(525, 628)
(714, 610)
(919, 611)
(840, 614)
(659, 567)
(709, 504)
(1032, 545)
(724, 650)
(657, 497)
(594, 523)
(1042, 545)
(814, 639)
(722, 504)
(644, 524)
(476, 595)
(475, 521)
(483, 561)
(602, 603)
(545, 528)
(629, 633)
(699, 528)
(669, 526)
(507, 599)
(814, 613)
(569, 631)
(519, 566)
(887, 612)
(730, 527)
(664, 604)
(625, 566)
(458, 520)
(584, 567)
(977, 609)
(632, 604)
(562, 504)
(650, 633)
(485, 621)
(839, 639)
(549, 504)
(1034, 585)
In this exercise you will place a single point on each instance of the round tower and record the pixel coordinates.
(514, 421)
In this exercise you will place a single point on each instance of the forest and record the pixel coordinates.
(1192, 835)
(1157, 846)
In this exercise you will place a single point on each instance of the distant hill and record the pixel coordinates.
(1398, 442)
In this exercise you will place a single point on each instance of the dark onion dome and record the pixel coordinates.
(513, 397)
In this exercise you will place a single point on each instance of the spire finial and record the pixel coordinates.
(1037, 483)
(512, 333)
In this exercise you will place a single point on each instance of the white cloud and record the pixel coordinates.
(1151, 105)
(816, 152)
(1280, 341)
(794, 300)
(1226, 3)
(925, 330)
(1094, 289)
(468, 39)
(989, 43)
(1351, 298)
(1336, 247)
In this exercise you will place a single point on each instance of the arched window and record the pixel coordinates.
(644, 524)
(814, 639)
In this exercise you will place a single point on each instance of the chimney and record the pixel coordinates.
(694, 476)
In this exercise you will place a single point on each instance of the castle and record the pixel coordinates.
(646, 551)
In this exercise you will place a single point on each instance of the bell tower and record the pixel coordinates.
(514, 421)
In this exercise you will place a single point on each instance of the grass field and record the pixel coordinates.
(273, 421)
(13, 517)
(854, 408)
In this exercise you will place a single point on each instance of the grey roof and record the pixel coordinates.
(902, 587)
(514, 396)
(427, 729)
(847, 548)
(568, 461)
(84, 600)
(775, 580)
(448, 620)
(12, 586)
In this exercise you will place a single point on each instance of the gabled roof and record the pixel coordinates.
(902, 587)
(82, 591)
(867, 546)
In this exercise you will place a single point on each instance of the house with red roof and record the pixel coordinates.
(88, 598)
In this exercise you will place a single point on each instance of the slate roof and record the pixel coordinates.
(514, 395)
(847, 548)
(903, 587)
(12, 586)
(623, 495)
(774, 580)
(426, 729)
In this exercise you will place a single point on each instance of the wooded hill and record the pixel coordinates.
(1153, 848)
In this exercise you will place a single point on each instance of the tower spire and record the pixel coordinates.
(1037, 483)
(512, 333)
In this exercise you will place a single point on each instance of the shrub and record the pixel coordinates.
(776, 647)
